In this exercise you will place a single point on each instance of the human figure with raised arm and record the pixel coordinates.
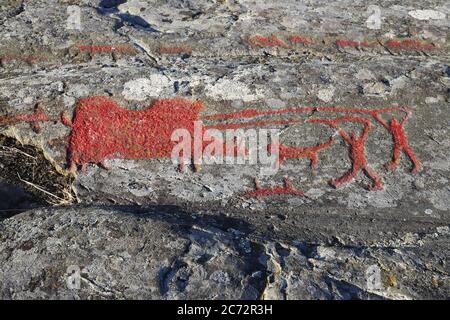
(357, 151)
(400, 140)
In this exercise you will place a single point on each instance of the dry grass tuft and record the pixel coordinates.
(28, 166)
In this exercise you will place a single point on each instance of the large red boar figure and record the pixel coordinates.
(103, 130)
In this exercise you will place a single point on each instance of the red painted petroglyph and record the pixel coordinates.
(252, 113)
(409, 44)
(174, 50)
(310, 153)
(397, 131)
(97, 49)
(102, 130)
(400, 141)
(399, 137)
(362, 111)
(267, 42)
(252, 124)
(30, 59)
(287, 189)
(357, 151)
(300, 39)
(248, 113)
(33, 119)
(404, 44)
(353, 44)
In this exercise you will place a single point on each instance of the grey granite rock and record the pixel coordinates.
(162, 252)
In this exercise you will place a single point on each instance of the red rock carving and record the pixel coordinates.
(287, 189)
(272, 41)
(33, 119)
(396, 129)
(102, 130)
(297, 153)
(399, 137)
(96, 49)
(409, 44)
(357, 151)
(300, 39)
(30, 59)
(252, 113)
(252, 124)
(404, 44)
(400, 141)
(353, 44)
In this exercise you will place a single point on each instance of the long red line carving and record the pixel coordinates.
(33, 119)
(409, 44)
(97, 49)
(272, 41)
(225, 126)
(252, 113)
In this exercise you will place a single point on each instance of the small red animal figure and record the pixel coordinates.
(297, 153)
(103, 130)
(357, 152)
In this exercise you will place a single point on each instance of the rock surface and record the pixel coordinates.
(317, 71)
(127, 252)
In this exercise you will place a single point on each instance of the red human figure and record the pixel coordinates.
(400, 140)
(286, 152)
(357, 152)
